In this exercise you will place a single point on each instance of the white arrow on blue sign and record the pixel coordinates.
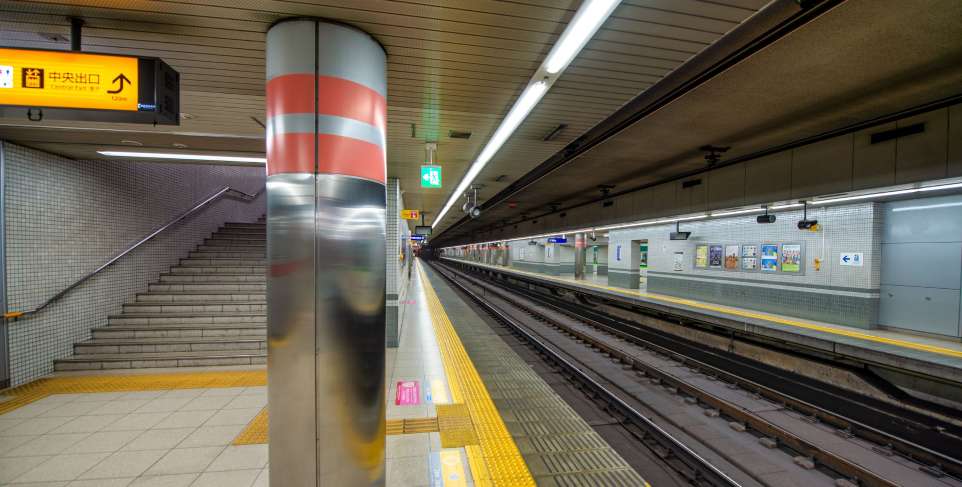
(852, 259)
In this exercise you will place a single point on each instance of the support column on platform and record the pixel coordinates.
(326, 114)
(580, 254)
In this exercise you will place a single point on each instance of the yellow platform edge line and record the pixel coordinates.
(751, 314)
(89, 384)
(496, 460)
(255, 432)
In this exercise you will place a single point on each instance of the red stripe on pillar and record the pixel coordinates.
(294, 153)
(294, 93)
(290, 93)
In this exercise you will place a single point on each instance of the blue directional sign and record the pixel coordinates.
(852, 259)
(417, 238)
(561, 239)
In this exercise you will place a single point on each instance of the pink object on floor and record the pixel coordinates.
(408, 393)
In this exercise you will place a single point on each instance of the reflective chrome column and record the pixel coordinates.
(326, 109)
(580, 251)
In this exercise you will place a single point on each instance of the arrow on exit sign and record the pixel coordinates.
(430, 176)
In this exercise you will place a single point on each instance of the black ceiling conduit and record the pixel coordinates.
(759, 31)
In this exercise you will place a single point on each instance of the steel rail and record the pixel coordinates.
(701, 467)
(934, 462)
(225, 191)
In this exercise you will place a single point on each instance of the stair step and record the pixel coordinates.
(214, 278)
(237, 240)
(179, 331)
(245, 225)
(101, 346)
(226, 254)
(199, 297)
(206, 307)
(190, 318)
(208, 287)
(222, 262)
(160, 359)
(240, 232)
(199, 269)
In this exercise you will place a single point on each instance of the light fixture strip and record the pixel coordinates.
(181, 157)
(589, 18)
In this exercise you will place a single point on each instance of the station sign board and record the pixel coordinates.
(418, 238)
(410, 214)
(41, 84)
(851, 259)
(561, 239)
(430, 176)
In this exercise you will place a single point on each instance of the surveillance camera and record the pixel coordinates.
(807, 224)
(766, 218)
(475, 212)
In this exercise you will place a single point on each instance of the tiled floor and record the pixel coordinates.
(414, 460)
(151, 438)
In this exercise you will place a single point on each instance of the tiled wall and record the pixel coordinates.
(398, 262)
(64, 218)
(835, 293)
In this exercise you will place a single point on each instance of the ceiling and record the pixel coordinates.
(452, 65)
(861, 60)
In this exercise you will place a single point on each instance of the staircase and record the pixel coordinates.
(209, 310)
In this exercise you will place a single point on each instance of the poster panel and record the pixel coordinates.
(791, 258)
(731, 257)
(769, 257)
(679, 261)
(750, 257)
(701, 256)
(715, 256)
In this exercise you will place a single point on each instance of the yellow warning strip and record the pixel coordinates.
(761, 316)
(39, 389)
(495, 460)
(255, 433)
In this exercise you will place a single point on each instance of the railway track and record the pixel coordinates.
(847, 450)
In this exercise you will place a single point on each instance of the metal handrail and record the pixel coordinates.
(226, 190)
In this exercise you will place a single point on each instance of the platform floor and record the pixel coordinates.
(470, 412)
(935, 350)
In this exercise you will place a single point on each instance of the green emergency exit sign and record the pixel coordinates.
(430, 176)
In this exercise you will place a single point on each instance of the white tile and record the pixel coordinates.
(184, 393)
(400, 446)
(124, 464)
(101, 483)
(41, 484)
(212, 436)
(181, 480)
(37, 426)
(185, 460)
(100, 396)
(236, 478)
(6, 424)
(102, 441)
(120, 406)
(143, 395)
(240, 457)
(204, 403)
(158, 439)
(263, 479)
(163, 404)
(255, 390)
(87, 424)
(11, 468)
(184, 419)
(136, 421)
(224, 391)
(246, 402)
(62, 467)
(232, 416)
(73, 409)
(408, 472)
(33, 409)
(46, 445)
(8, 443)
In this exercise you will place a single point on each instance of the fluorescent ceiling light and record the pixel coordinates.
(786, 207)
(927, 207)
(582, 27)
(737, 212)
(181, 157)
(886, 194)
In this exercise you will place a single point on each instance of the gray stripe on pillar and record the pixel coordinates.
(280, 59)
(303, 123)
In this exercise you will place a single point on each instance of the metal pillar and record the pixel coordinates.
(580, 249)
(326, 109)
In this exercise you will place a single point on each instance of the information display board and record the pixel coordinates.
(769, 257)
(731, 257)
(410, 214)
(750, 257)
(41, 84)
(701, 256)
(715, 256)
(791, 258)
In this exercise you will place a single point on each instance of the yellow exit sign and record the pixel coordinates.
(55, 79)
(410, 214)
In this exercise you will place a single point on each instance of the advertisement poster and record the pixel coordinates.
(749, 257)
(679, 261)
(769, 258)
(791, 258)
(731, 257)
(715, 256)
(701, 256)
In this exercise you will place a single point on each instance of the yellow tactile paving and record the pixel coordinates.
(256, 431)
(761, 316)
(495, 460)
(39, 389)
